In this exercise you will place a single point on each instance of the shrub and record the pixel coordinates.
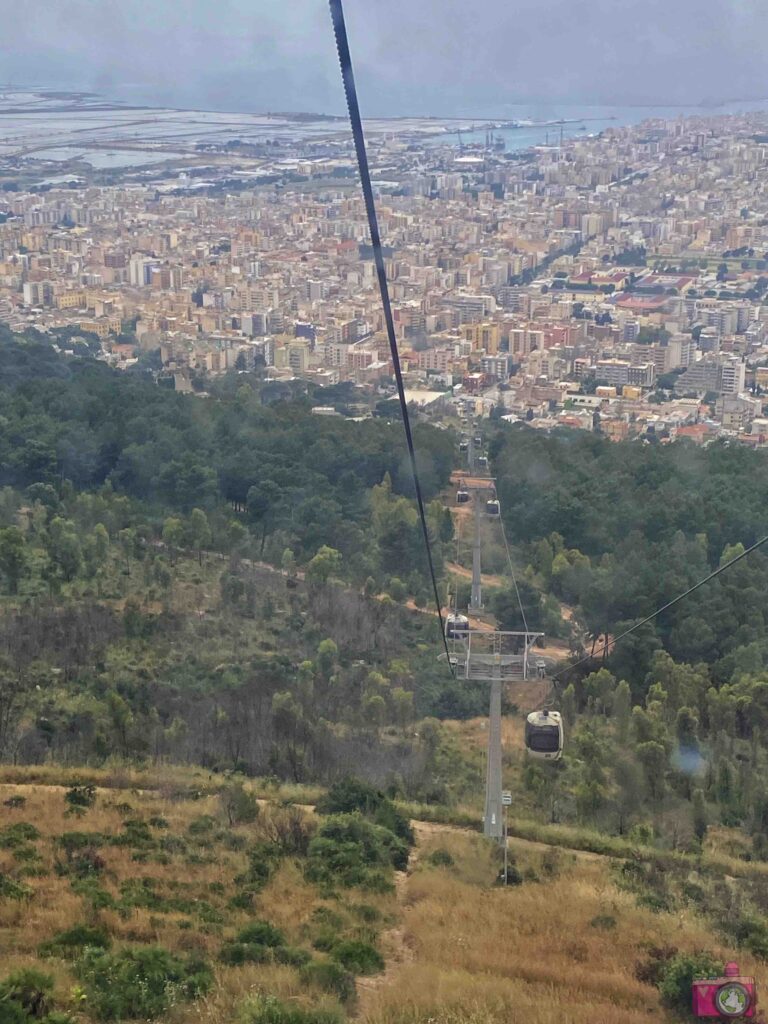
(91, 891)
(358, 957)
(651, 970)
(242, 900)
(11, 890)
(750, 932)
(15, 802)
(289, 830)
(202, 825)
(656, 902)
(268, 1010)
(679, 974)
(140, 982)
(71, 841)
(440, 858)
(514, 876)
(604, 922)
(136, 834)
(347, 847)
(366, 912)
(80, 798)
(17, 835)
(350, 795)
(70, 944)
(13, 1013)
(261, 933)
(240, 806)
(235, 954)
(28, 989)
(258, 943)
(263, 858)
(329, 977)
(641, 834)
(328, 917)
(325, 939)
(291, 956)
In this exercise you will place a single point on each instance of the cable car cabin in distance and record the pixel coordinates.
(456, 627)
(477, 441)
(482, 462)
(462, 497)
(544, 735)
(492, 508)
(463, 446)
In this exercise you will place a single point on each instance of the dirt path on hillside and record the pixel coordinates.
(486, 578)
(394, 940)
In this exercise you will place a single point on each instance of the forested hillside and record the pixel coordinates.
(618, 530)
(210, 580)
(292, 479)
(667, 730)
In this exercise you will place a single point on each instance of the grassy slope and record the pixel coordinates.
(455, 945)
(204, 875)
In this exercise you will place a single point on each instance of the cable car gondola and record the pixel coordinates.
(492, 508)
(482, 462)
(462, 497)
(544, 735)
(456, 627)
(477, 441)
(463, 446)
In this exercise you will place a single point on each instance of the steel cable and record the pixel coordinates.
(350, 91)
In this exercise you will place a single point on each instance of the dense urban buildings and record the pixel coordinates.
(613, 282)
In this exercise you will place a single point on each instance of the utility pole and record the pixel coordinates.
(506, 799)
(492, 823)
(476, 596)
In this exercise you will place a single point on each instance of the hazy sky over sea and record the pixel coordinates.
(411, 56)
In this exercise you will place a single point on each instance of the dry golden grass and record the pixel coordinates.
(484, 955)
(287, 900)
(460, 950)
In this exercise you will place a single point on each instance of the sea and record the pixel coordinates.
(583, 120)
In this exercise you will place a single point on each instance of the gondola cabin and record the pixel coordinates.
(544, 735)
(478, 441)
(492, 508)
(456, 627)
(463, 446)
(482, 462)
(462, 497)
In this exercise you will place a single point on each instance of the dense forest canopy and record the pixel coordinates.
(295, 479)
(617, 530)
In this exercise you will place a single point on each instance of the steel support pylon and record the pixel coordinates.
(493, 821)
(476, 596)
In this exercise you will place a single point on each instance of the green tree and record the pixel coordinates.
(14, 560)
(568, 704)
(326, 563)
(622, 709)
(173, 536)
(199, 531)
(64, 548)
(700, 820)
(686, 728)
(653, 758)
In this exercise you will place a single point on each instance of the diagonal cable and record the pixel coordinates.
(512, 573)
(350, 91)
(664, 607)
